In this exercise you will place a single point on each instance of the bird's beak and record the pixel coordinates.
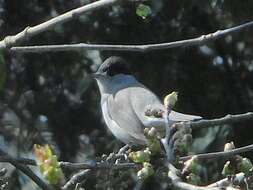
(95, 75)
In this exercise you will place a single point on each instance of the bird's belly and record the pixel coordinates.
(116, 130)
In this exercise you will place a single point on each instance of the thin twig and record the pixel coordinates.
(177, 182)
(77, 178)
(27, 171)
(97, 165)
(222, 154)
(136, 48)
(225, 182)
(88, 167)
(28, 32)
(228, 119)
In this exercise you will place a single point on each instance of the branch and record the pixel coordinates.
(73, 166)
(87, 168)
(229, 119)
(212, 155)
(28, 32)
(75, 179)
(226, 181)
(26, 170)
(24, 161)
(136, 48)
(177, 182)
(97, 165)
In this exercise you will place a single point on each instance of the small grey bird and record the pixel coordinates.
(124, 102)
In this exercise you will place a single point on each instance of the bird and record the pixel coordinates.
(124, 101)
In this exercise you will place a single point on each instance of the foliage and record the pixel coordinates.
(48, 164)
(143, 11)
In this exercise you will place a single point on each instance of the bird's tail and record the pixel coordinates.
(175, 116)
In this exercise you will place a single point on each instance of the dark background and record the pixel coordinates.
(50, 98)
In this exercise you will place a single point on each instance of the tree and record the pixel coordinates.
(44, 97)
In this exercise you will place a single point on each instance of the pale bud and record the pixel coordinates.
(229, 146)
(170, 100)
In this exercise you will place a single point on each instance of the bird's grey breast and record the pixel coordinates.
(119, 114)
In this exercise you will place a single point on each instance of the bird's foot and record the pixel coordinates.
(154, 112)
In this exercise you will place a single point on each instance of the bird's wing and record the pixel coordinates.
(121, 111)
(142, 99)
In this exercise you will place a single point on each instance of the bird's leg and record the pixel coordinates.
(124, 149)
(167, 140)
(154, 112)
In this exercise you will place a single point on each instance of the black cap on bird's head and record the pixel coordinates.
(113, 66)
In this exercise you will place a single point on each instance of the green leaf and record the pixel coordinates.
(143, 11)
(146, 172)
(245, 166)
(48, 164)
(140, 156)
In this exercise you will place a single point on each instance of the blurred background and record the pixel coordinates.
(49, 98)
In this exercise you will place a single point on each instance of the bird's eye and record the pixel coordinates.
(105, 69)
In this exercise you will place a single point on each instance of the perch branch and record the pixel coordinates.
(221, 154)
(73, 166)
(97, 165)
(228, 119)
(28, 32)
(136, 48)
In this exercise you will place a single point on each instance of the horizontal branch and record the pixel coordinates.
(74, 166)
(28, 32)
(97, 165)
(137, 48)
(228, 119)
(221, 154)
(178, 183)
(25, 161)
(26, 170)
(226, 181)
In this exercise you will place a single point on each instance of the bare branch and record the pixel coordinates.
(26, 170)
(177, 182)
(187, 186)
(221, 154)
(25, 161)
(73, 166)
(97, 165)
(225, 182)
(229, 119)
(136, 48)
(75, 179)
(28, 32)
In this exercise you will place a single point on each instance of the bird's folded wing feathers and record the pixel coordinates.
(142, 99)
